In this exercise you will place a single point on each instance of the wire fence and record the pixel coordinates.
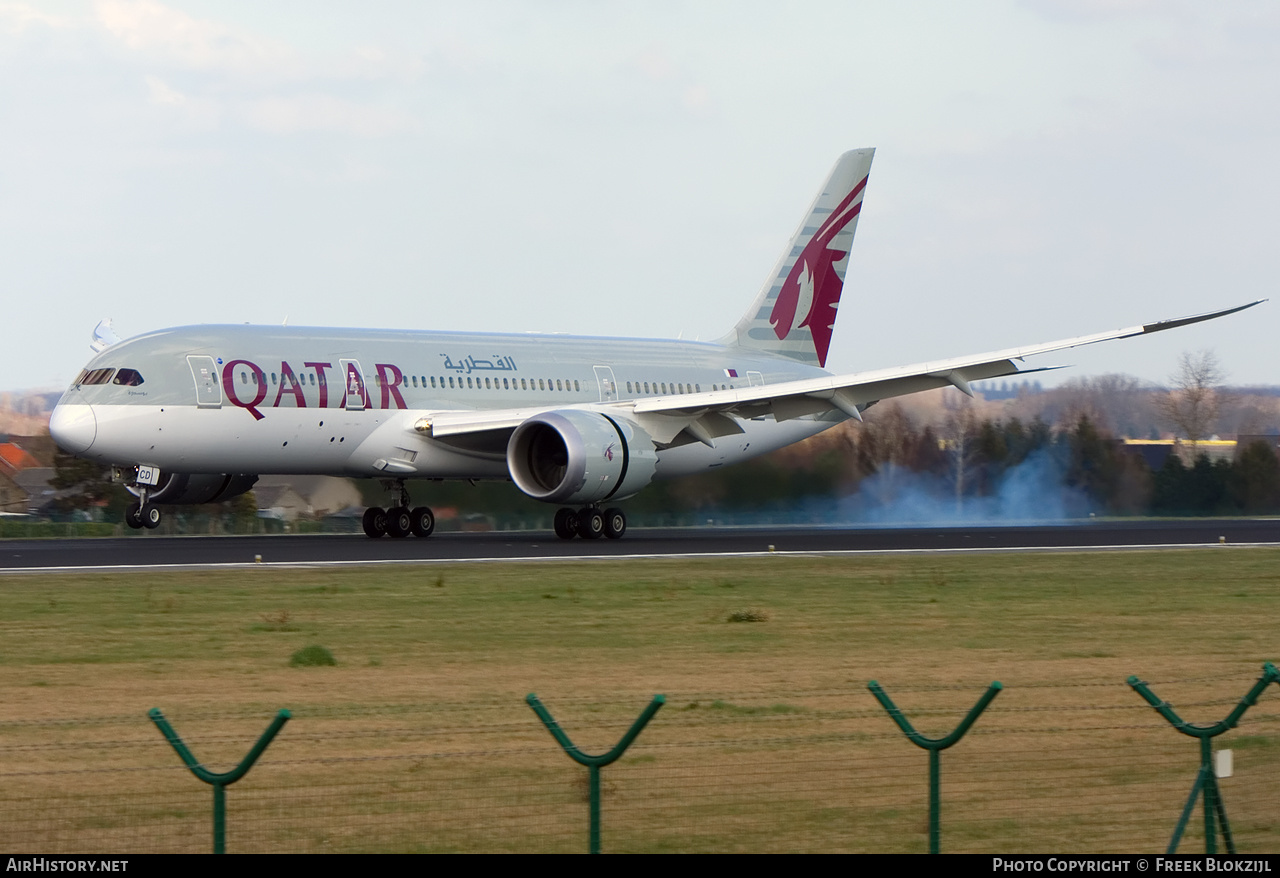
(1085, 767)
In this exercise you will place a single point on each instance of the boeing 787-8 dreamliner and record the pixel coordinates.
(194, 414)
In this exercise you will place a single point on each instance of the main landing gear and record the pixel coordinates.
(590, 523)
(398, 521)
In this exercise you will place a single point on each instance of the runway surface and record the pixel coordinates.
(148, 550)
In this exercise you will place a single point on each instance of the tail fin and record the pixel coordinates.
(795, 311)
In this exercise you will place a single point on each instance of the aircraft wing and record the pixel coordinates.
(848, 393)
(702, 417)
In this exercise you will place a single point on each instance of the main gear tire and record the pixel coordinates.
(590, 523)
(399, 522)
(423, 521)
(374, 522)
(566, 524)
(615, 523)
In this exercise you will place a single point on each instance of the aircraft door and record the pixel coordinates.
(355, 394)
(608, 387)
(755, 379)
(205, 373)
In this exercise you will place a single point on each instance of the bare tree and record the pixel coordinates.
(887, 437)
(1195, 398)
(960, 437)
(1118, 404)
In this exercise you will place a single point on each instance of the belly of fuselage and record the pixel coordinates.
(353, 443)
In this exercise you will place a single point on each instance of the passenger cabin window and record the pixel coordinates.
(128, 378)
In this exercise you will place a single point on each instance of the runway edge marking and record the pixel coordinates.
(377, 562)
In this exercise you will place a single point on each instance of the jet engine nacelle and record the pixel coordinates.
(580, 456)
(181, 489)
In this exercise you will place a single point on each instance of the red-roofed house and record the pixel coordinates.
(13, 458)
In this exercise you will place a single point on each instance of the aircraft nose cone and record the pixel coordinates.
(73, 427)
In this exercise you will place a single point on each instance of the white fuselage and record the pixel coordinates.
(263, 399)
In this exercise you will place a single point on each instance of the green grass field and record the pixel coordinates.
(418, 738)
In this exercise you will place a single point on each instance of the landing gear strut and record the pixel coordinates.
(590, 523)
(399, 521)
(140, 515)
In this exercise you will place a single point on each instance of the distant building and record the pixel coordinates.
(293, 497)
(1156, 451)
(39, 494)
(279, 501)
(13, 498)
(990, 390)
(14, 458)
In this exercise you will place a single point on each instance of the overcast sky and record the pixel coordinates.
(1044, 169)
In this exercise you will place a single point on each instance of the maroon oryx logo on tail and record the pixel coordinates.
(811, 292)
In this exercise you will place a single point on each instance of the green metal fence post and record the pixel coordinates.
(1206, 781)
(934, 746)
(594, 763)
(219, 782)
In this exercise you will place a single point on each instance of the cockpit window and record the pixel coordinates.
(128, 378)
(97, 376)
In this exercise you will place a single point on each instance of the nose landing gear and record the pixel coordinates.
(140, 515)
(399, 521)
